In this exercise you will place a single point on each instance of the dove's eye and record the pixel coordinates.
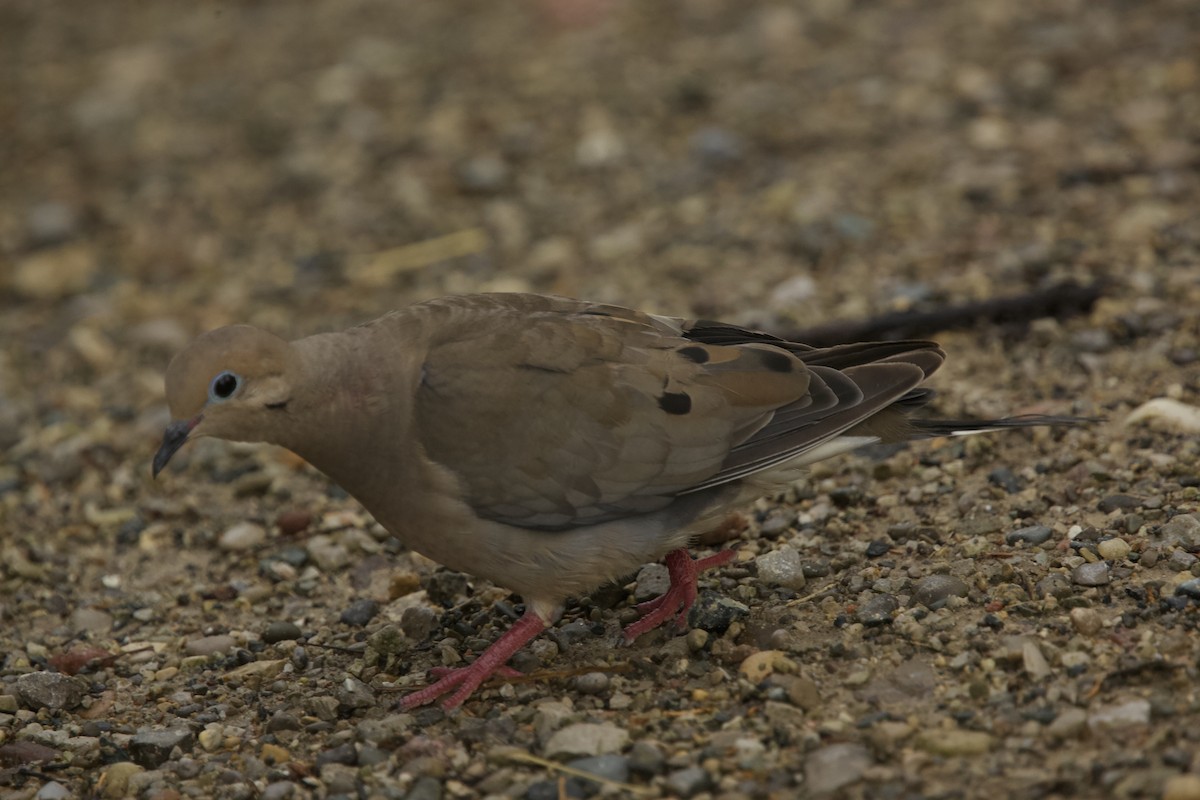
(223, 386)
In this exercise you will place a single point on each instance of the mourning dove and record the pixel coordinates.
(550, 445)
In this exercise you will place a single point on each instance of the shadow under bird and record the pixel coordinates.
(550, 445)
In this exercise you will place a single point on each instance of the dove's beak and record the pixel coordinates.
(175, 436)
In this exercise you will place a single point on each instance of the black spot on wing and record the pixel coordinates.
(675, 402)
(776, 361)
(695, 354)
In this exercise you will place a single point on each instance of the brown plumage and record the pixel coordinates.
(548, 444)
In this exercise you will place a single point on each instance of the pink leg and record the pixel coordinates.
(680, 596)
(467, 679)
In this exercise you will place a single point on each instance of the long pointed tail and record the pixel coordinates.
(932, 428)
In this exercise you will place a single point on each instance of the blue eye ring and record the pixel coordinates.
(224, 386)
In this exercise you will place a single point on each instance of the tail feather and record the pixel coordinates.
(932, 428)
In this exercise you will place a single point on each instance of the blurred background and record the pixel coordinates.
(168, 167)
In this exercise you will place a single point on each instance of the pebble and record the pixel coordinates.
(1094, 574)
(53, 791)
(653, 580)
(55, 273)
(933, 591)
(116, 779)
(293, 521)
(610, 767)
(1113, 549)
(445, 587)
(279, 790)
(592, 683)
(426, 788)
(1189, 589)
(91, 620)
(776, 522)
(50, 690)
(1182, 531)
(283, 721)
(1068, 725)
(1181, 560)
(328, 555)
(1005, 479)
(243, 536)
(688, 781)
(834, 766)
(954, 742)
(716, 147)
(282, 631)
(646, 758)
(1124, 715)
(359, 613)
(878, 610)
(353, 694)
(1176, 787)
(1173, 413)
(781, 567)
(715, 613)
(152, 749)
(759, 666)
(1033, 660)
(418, 622)
(1118, 502)
(1087, 621)
(1034, 535)
(587, 739)
(483, 174)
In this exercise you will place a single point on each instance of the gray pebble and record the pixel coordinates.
(831, 767)
(716, 147)
(445, 588)
(354, 694)
(611, 767)
(299, 658)
(281, 632)
(342, 754)
(933, 591)
(688, 781)
(1005, 479)
(209, 645)
(49, 690)
(283, 721)
(417, 622)
(483, 174)
(426, 788)
(1034, 535)
(1182, 531)
(653, 580)
(1094, 574)
(1115, 502)
(777, 521)
(1189, 589)
(715, 613)
(360, 613)
(1181, 560)
(878, 610)
(781, 567)
(152, 749)
(592, 683)
(587, 739)
(53, 791)
(646, 758)
(279, 790)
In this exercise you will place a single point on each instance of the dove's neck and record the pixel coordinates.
(352, 411)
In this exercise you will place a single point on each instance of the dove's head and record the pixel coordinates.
(232, 383)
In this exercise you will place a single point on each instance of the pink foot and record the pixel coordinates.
(465, 680)
(680, 596)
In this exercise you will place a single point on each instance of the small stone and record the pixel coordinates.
(210, 645)
(1176, 787)
(715, 613)
(878, 610)
(1087, 621)
(1118, 502)
(282, 631)
(417, 622)
(279, 790)
(1068, 725)
(1095, 574)
(587, 739)
(328, 555)
(345, 754)
(653, 580)
(1113, 549)
(759, 666)
(933, 591)
(353, 694)
(646, 758)
(91, 620)
(426, 787)
(483, 174)
(716, 147)
(1182, 531)
(114, 782)
(777, 521)
(283, 721)
(697, 639)
(1124, 715)
(781, 567)
(152, 749)
(688, 781)
(445, 587)
(1033, 535)
(56, 272)
(1189, 589)
(801, 691)
(1181, 560)
(878, 548)
(50, 690)
(609, 767)
(834, 766)
(954, 742)
(293, 521)
(359, 613)
(53, 791)
(1005, 479)
(243, 536)
(592, 683)
(1033, 660)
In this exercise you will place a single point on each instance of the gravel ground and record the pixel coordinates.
(1004, 616)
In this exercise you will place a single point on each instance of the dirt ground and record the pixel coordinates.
(1007, 616)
